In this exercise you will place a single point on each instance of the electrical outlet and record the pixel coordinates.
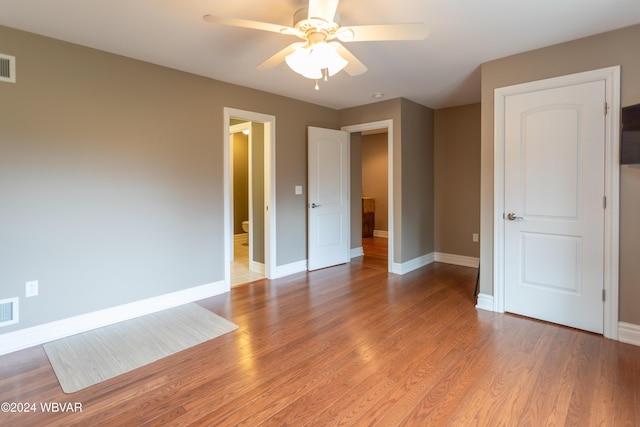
(476, 238)
(32, 289)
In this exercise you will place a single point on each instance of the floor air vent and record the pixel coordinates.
(8, 311)
(7, 68)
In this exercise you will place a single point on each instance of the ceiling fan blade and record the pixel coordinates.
(354, 66)
(365, 33)
(280, 56)
(245, 23)
(323, 9)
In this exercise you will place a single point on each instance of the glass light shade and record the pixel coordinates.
(299, 61)
(311, 60)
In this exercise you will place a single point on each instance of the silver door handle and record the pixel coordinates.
(313, 205)
(512, 217)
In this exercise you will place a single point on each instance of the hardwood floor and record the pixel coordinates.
(354, 345)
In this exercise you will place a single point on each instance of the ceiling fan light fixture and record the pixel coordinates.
(311, 60)
(299, 61)
(319, 55)
(345, 34)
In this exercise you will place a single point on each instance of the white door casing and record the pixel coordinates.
(388, 125)
(328, 202)
(554, 188)
(560, 243)
(269, 190)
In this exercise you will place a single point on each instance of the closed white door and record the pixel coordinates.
(554, 204)
(328, 203)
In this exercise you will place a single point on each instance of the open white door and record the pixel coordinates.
(328, 203)
(554, 212)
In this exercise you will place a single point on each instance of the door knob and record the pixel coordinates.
(512, 217)
(313, 205)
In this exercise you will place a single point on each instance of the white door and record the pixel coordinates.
(554, 212)
(328, 203)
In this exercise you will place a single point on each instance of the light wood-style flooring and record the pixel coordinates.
(240, 271)
(355, 345)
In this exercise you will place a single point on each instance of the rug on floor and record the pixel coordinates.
(88, 358)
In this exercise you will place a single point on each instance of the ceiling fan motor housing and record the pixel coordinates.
(306, 25)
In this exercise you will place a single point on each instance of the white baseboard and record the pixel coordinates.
(292, 268)
(462, 260)
(629, 333)
(381, 233)
(414, 264)
(257, 267)
(18, 340)
(356, 252)
(485, 302)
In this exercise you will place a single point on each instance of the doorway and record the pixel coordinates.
(381, 126)
(255, 259)
(375, 195)
(247, 171)
(515, 213)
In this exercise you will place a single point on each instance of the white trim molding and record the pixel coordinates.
(269, 122)
(461, 260)
(357, 252)
(629, 333)
(485, 302)
(14, 303)
(288, 269)
(611, 77)
(413, 264)
(29, 337)
(382, 124)
(257, 267)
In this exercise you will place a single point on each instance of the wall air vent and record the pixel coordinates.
(7, 68)
(8, 311)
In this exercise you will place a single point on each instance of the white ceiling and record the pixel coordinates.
(441, 71)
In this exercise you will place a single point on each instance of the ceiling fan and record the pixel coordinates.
(320, 55)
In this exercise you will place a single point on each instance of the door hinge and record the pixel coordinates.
(606, 108)
(604, 295)
(604, 202)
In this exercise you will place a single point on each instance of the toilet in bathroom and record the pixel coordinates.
(245, 226)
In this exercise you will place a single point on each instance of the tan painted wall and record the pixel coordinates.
(457, 180)
(604, 50)
(417, 180)
(240, 180)
(385, 110)
(257, 187)
(356, 189)
(111, 177)
(412, 173)
(374, 176)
